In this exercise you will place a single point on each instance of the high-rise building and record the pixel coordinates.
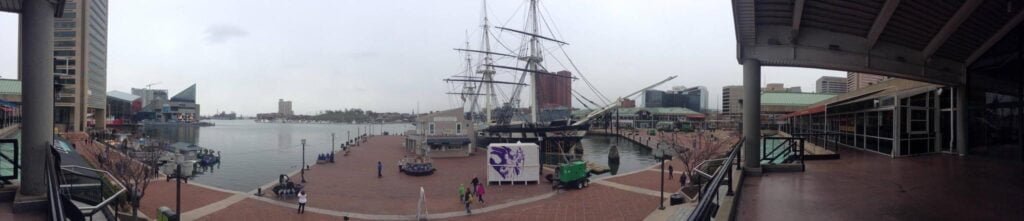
(80, 63)
(554, 91)
(284, 108)
(731, 96)
(855, 80)
(694, 98)
(831, 85)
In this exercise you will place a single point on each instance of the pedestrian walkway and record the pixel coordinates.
(351, 189)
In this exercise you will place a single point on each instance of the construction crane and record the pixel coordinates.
(150, 85)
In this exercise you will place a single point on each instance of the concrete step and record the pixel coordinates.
(7, 193)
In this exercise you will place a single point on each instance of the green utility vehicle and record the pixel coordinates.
(572, 175)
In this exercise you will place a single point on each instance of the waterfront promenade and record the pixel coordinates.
(350, 188)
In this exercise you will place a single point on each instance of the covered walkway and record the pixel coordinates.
(867, 186)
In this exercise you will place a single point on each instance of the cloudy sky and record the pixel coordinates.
(391, 55)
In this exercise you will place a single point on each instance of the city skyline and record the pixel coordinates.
(333, 55)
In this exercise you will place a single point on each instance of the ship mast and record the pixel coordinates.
(488, 71)
(533, 62)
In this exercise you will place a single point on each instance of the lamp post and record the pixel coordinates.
(177, 197)
(332, 147)
(302, 169)
(660, 154)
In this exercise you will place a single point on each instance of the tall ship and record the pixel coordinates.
(545, 117)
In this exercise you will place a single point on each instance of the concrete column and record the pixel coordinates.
(752, 114)
(37, 93)
(101, 119)
(961, 120)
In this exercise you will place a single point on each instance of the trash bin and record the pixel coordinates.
(676, 199)
(166, 214)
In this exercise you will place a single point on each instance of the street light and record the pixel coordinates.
(332, 148)
(660, 154)
(302, 168)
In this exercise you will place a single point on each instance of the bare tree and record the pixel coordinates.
(134, 172)
(693, 149)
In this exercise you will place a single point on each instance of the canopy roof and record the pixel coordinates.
(924, 40)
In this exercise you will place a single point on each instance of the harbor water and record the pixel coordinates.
(253, 154)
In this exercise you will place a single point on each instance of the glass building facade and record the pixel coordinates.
(901, 121)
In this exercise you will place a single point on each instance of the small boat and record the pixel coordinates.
(416, 166)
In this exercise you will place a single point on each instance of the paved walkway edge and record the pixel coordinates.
(213, 207)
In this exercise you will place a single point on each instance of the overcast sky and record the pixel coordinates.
(390, 55)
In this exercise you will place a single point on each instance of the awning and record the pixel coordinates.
(448, 140)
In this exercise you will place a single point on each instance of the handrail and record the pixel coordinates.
(794, 146)
(13, 160)
(53, 193)
(96, 208)
(825, 140)
(775, 151)
(706, 207)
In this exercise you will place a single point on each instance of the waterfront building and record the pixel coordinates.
(774, 105)
(80, 64)
(284, 108)
(645, 117)
(731, 97)
(857, 80)
(441, 134)
(867, 118)
(694, 98)
(627, 103)
(554, 96)
(10, 102)
(830, 85)
(157, 106)
(122, 107)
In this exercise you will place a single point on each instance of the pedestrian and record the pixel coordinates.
(670, 172)
(480, 192)
(462, 193)
(472, 186)
(302, 202)
(379, 168)
(468, 200)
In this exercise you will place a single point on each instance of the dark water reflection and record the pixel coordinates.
(632, 156)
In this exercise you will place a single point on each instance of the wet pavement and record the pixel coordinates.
(868, 186)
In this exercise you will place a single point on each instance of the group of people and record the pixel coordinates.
(329, 157)
(475, 191)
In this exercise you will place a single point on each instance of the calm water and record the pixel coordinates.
(632, 156)
(256, 153)
(253, 154)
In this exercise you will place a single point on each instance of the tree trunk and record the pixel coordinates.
(135, 209)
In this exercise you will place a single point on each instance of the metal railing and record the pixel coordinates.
(790, 148)
(708, 205)
(9, 157)
(51, 163)
(99, 202)
(61, 192)
(827, 141)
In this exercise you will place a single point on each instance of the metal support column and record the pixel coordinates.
(37, 88)
(752, 114)
(961, 120)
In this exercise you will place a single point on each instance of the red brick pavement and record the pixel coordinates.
(351, 184)
(594, 203)
(649, 180)
(250, 209)
(162, 193)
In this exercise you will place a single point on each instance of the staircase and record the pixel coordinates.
(782, 154)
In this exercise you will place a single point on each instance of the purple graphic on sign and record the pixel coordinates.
(509, 160)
